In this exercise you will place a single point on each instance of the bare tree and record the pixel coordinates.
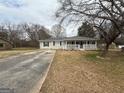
(23, 34)
(28, 30)
(3, 32)
(99, 11)
(58, 31)
(43, 33)
(35, 32)
(40, 32)
(13, 33)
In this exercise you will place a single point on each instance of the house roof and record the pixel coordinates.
(52, 39)
(69, 39)
(79, 38)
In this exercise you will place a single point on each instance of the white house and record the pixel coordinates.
(69, 43)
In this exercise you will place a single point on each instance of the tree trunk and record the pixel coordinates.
(105, 50)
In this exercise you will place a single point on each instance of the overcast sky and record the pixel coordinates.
(33, 11)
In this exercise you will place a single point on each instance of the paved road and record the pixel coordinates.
(24, 71)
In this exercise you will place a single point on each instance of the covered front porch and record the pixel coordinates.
(80, 45)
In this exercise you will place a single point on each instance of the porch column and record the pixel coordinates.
(66, 45)
(96, 44)
(86, 45)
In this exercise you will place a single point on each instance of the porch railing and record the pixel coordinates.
(78, 47)
(73, 47)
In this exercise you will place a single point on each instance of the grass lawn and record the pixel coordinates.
(15, 51)
(84, 72)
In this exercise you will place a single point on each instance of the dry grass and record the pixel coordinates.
(15, 51)
(83, 72)
(112, 66)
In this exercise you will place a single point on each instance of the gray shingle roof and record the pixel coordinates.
(69, 39)
(79, 38)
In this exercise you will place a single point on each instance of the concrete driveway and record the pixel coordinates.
(22, 72)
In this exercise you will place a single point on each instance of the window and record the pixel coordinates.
(60, 43)
(46, 44)
(93, 42)
(1, 45)
(88, 42)
(54, 43)
(84, 42)
(72, 42)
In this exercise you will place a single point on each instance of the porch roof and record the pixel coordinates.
(78, 38)
(75, 38)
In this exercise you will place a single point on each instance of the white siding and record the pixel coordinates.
(42, 46)
(51, 46)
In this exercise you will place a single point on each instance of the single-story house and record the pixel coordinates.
(69, 43)
(5, 45)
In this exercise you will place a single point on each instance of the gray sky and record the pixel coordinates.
(32, 11)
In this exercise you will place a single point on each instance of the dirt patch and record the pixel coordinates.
(71, 72)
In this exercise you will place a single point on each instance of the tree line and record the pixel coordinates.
(23, 35)
(28, 34)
